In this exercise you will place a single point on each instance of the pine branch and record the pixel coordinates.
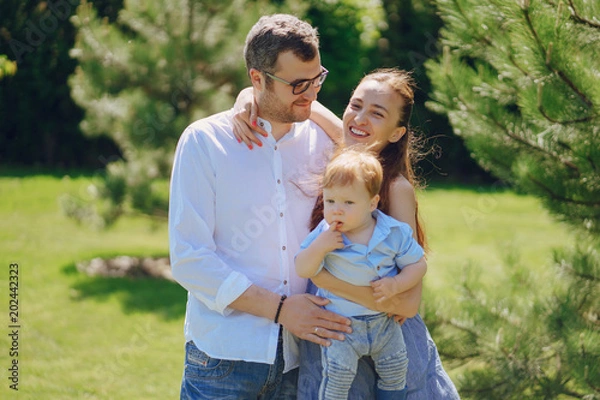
(518, 139)
(564, 390)
(455, 357)
(591, 161)
(575, 15)
(487, 41)
(577, 274)
(461, 327)
(556, 197)
(486, 389)
(515, 137)
(569, 148)
(190, 22)
(567, 122)
(548, 60)
(593, 385)
(477, 35)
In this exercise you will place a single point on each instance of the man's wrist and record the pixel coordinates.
(279, 307)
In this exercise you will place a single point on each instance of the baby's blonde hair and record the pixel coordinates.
(353, 164)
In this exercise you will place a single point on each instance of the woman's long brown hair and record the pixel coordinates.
(396, 158)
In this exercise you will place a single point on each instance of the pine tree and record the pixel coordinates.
(143, 78)
(410, 39)
(348, 31)
(519, 81)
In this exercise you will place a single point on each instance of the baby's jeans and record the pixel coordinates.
(375, 335)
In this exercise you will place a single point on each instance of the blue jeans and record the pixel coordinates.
(207, 378)
(377, 336)
(426, 378)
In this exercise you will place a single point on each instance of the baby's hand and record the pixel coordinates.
(384, 289)
(330, 239)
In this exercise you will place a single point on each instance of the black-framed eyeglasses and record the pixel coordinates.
(301, 86)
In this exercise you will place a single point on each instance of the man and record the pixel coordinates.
(236, 220)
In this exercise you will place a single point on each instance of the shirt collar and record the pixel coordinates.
(383, 226)
(266, 125)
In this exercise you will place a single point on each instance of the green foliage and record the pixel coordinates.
(38, 118)
(525, 336)
(348, 31)
(143, 78)
(7, 67)
(409, 38)
(519, 82)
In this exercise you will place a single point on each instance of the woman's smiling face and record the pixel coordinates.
(372, 116)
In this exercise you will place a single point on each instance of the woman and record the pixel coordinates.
(377, 115)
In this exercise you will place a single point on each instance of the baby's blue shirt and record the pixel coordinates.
(390, 248)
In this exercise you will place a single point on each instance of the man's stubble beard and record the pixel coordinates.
(275, 111)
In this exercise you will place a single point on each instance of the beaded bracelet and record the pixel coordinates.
(283, 297)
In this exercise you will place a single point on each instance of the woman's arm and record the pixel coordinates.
(328, 121)
(245, 114)
(362, 295)
(403, 207)
(245, 127)
(405, 304)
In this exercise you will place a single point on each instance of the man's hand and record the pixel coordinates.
(303, 316)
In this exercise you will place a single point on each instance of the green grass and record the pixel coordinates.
(81, 337)
(100, 338)
(489, 229)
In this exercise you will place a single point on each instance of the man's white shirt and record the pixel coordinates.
(237, 218)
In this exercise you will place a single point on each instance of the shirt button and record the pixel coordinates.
(285, 282)
(275, 147)
(281, 214)
(283, 248)
(378, 268)
(279, 181)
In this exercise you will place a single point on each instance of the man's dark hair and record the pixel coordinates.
(276, 34)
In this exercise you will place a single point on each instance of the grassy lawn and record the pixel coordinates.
(100, 338)
(488, 228)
